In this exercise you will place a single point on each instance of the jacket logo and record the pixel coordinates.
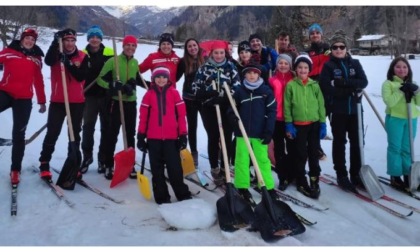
(352, 72)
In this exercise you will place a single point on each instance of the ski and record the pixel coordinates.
(5, 142)
(13, 209)
(93, 189)
(298, 202)
(367, 199)
(386, 181)
(55, 189)
(206, 186)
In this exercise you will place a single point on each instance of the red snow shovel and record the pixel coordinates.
(274, 219)
(124, 160)
(68, 174)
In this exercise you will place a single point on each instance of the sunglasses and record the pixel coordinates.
(341, 47)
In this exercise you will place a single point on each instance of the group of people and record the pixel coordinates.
(281, 95)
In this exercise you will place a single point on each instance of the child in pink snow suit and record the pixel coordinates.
(163, 123)
(282, 144)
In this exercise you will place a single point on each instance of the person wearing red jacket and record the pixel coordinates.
(165, 56)
(22, 61)
(163, 124)
(76, 67)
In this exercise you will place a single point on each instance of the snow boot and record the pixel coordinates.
(273, 194)
(345, 184)
(357, 182)
(87, 160)
(218, 178)
(45, 175)
(314, 185)
(246, 195)
(305, 190)
(283, 184)
(15, 177)
(133, 174)
(101, 167)
(109, 172)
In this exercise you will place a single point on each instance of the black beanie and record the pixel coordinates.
(166, 37)
(254, 36)
(244, 46)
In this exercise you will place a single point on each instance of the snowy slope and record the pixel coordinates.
(43, 220)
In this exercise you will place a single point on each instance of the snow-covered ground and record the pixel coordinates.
(43, 220)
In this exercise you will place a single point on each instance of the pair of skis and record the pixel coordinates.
(328, 179)
(387, 181)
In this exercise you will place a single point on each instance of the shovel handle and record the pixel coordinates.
(143, 160)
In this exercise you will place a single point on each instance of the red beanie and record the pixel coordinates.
(29, 32)
(129, 39)
(219, 44)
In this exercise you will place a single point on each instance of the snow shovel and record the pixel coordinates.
(68, 174)
(233, 211)
(143, 181)
(415, 166)
(187, 162)
(274, 220)
(125, 159)
(366, 173)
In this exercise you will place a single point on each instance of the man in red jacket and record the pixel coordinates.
(16, 90)
(76, 67)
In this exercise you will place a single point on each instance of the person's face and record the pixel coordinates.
(166, 47)
(28, 42)
(283, 42)
(302, 70)
(256, 44)
(283, 66)
(245, 55)
(94, 42)
(230, 49)
(251, 76)
(315, 37)
(69, 44)
(218, 55)
(192, 48)
(339, 50)
(161, 81)
(129, 49)
(401, 69)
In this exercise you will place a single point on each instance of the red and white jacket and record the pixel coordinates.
(156, 59)
(22, 72)
(162, 113)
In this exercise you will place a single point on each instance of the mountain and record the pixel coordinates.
(150, 21)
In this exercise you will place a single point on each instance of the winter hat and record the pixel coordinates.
(69, 33)
(303, 58)
(244, 46)
(219, 44)
(160, 71)
(254, 36)
(166, 37)
(315, 27)
(94, 31)
(252, 67)
(129, 39)
(29, 32)
(285, 57)
(339, 36)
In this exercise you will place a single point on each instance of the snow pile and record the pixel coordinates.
(189, 214)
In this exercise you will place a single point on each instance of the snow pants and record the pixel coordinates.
(193, 108)
(283, 153)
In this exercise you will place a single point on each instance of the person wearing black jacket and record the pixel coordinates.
(96, 98)
(342, 80)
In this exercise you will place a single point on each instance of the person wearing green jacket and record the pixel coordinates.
(304, 114)
(397, 90)
(129, 78)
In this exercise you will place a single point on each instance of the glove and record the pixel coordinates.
(64, 59)
(182, 141)
(409, 89)
(127, 89)
(291, 130)
(132, 82)
(322, 130)
(266, 138)
(141, 142)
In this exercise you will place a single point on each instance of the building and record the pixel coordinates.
(377, 44)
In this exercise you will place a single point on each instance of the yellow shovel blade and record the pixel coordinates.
(187, 162)
(144, 186)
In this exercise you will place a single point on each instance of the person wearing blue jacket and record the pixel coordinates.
(342, 80)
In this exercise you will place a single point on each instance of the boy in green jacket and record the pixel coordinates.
(304, 114)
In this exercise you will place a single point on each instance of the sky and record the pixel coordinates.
(44, 222)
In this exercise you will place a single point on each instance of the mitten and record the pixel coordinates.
(291, 130)
(182, 141)
(141, 142)
(127, 89)
(322, 130)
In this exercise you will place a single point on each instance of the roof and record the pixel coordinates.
(371, 37)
